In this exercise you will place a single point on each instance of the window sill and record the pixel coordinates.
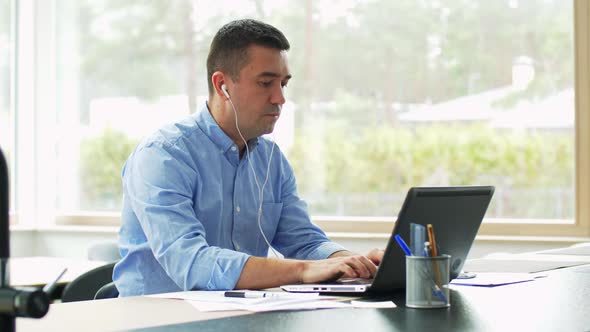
(532, 239)
(335, 235)
(373, 227)
(66, 229)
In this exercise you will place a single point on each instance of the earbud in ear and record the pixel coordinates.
(224, 89)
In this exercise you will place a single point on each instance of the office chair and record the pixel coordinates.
(84, 287)
(108, 291)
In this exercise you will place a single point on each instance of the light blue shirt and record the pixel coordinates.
(189, 218)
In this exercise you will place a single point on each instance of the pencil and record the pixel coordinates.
(432, 240)
(434, 253)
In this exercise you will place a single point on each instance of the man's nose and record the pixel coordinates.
(278, 96)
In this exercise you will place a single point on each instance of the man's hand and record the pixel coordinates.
(349, 266)
(262, 272)
(376, 256)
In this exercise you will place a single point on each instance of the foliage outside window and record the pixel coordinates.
(386, 95)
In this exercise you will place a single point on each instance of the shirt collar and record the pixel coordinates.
(209, 126)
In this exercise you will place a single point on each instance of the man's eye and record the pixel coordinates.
(266, 84)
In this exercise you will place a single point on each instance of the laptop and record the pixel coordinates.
(455, 214)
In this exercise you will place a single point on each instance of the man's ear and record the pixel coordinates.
(218, 79)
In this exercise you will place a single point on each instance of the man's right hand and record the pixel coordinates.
(355, 266)
(259, 272)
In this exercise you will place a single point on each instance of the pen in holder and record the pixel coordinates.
(427, 281)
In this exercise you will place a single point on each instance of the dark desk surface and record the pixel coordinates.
(558, 302)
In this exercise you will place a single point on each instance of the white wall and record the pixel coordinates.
(74, 243)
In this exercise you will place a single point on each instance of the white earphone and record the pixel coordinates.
(224, 89)
(260, 188)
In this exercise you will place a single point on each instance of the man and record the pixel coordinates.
(201, 205)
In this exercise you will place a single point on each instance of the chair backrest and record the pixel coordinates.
(107, 291)
(84, 287)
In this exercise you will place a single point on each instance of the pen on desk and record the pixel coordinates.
(403, 244)
(250, 295)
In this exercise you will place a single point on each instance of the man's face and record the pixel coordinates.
(258, 93)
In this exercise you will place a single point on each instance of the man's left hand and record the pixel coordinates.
(375, 255)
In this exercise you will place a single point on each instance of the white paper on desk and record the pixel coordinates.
(284, 305)
(277, 305)
(219, 297)
(208, 301)
(372, 304)
(216, 301)
(490, 279)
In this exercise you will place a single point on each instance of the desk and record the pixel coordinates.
(117, 314)
(559, 302)
(38, 271)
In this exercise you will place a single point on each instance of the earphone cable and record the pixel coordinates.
(260, 189)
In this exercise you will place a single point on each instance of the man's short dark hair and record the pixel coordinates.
(229, 49)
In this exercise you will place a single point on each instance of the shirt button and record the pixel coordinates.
(233, 148)
(237, 247)
(238, 209)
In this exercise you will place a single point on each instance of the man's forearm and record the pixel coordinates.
(261, 272)
(269, 272)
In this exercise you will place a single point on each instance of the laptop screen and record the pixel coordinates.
(455, 213)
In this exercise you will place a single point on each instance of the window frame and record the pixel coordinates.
(38, 211)
(24, 105)
(11, 113)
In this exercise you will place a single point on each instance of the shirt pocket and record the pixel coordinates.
(271, 215)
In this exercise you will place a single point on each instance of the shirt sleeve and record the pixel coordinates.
(159, 182)
(297, 236)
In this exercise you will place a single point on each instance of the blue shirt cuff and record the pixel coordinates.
(324, 250)
(227, 270)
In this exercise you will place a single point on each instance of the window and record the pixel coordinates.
(386, 95)
(6, 75)
(449, 93)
